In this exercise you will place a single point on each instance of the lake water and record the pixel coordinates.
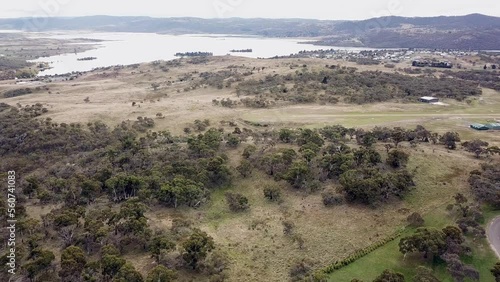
(132, 48)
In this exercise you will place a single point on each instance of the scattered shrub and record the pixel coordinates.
(272, 193)
(237, 202)
(415, 220)
(331, 198)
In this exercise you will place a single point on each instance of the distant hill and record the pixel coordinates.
(473, 31)
(440, 23)
(263, 27)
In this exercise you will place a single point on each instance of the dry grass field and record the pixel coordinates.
(254, 240)
(112, 92)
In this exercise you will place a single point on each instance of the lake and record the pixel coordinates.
(133, 48)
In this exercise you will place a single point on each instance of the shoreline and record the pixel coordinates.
(24, 53)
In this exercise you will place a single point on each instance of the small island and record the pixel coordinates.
(194, 54)
(87, 59)
(241, 51)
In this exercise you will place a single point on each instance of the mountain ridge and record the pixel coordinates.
(474, 31)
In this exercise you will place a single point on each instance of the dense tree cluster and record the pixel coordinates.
(496, 271)
(133, 168)
(323, 155)
(196, 248)
(488, 79)
(194, 54)
(17, 92)
(424, 275)
(390, 276)
(446, 245)
(220, 79)
(371, 186)
(480, 148)
(85, 163)
(470, 216)
(349, 85)
(182, 191)
(484, 184)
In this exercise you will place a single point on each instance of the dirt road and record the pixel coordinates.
(493, 234)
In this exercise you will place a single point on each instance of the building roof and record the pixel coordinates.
(428, 98)
(478, 125)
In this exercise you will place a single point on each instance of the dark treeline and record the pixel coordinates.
(241, 51)
(488, 79)
(194, 54)
(11, 63)
(86, 59)
(24, 91)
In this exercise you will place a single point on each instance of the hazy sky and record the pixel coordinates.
(318, 9)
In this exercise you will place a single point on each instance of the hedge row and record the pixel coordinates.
(360, 253)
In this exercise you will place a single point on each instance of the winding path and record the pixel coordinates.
(493, 234)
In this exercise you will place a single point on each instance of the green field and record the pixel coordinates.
(456, 116)
(436, 184)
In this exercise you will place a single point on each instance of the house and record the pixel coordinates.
(418, 63)
(427, 99)
(425, 63)
(446, 65)
(478, 126)
(493, 126)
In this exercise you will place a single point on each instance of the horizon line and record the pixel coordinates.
(243, 18)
